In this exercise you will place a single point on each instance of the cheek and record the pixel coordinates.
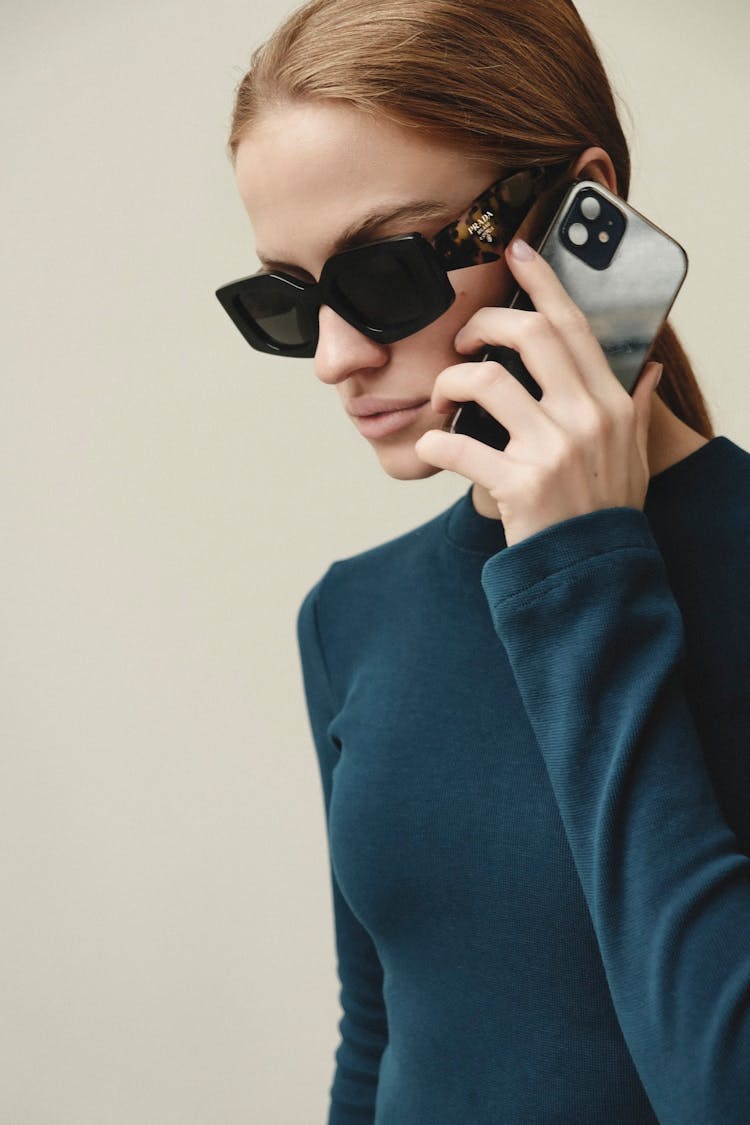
(476, 287)
(480, 286)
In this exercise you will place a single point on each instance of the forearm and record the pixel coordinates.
(596, 642)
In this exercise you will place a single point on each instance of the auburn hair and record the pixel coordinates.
(517, 83)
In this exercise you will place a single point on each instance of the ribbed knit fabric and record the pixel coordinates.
(535, 764)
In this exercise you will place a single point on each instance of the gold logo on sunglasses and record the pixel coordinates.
(483, 227)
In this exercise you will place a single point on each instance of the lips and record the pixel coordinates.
(385, 422)
(364, 406)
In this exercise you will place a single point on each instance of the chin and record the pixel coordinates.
(402, 463)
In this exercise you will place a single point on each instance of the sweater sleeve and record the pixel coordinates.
(363, 1026)
(596, 643)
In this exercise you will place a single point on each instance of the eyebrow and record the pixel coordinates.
(361, 231)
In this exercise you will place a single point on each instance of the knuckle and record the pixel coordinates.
(595, 425)
(536, 325)
(597, 430)
(490, 372)
(564, 452)
(459, 449)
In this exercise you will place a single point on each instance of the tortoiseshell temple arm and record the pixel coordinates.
(483, 232)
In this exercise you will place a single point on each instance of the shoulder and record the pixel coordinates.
(700, 518)
(728, 491)
(731, 454)
(704, 493)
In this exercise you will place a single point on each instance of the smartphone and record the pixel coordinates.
(624, 274)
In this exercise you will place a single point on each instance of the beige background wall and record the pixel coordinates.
(166, 944)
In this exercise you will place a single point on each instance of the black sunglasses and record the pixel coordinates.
(387, 289)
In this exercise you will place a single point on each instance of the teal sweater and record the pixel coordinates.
(535, 764)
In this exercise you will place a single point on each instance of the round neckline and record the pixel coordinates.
(468, 530)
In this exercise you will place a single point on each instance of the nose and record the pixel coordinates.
(342, 349)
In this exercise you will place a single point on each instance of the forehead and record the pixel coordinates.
(307, 171)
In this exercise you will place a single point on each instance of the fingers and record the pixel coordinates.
(500, 393)
(551, 299)
(558, 327)
(580, 448)
(466, 456)
(541, 348)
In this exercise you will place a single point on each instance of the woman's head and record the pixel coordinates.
(352, 107)
(510, 84)
(309, 172)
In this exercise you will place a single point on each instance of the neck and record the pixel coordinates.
(669, 441)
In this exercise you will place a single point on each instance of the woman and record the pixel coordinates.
(531, 713)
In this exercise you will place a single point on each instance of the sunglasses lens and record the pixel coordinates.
(382, 290)
(386, 290)
(276, 311)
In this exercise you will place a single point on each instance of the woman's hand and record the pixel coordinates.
(581, 448)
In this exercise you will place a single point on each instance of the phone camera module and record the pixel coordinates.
(593, 229)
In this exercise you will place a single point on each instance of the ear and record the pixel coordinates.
(595, 164)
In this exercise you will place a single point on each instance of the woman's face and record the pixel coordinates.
(307, 173)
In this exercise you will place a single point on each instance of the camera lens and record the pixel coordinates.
(578, 234)
(590, 207)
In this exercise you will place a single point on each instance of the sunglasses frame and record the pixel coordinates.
(478, 236)
(412, 248)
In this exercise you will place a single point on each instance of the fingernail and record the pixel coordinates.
(521, 250)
